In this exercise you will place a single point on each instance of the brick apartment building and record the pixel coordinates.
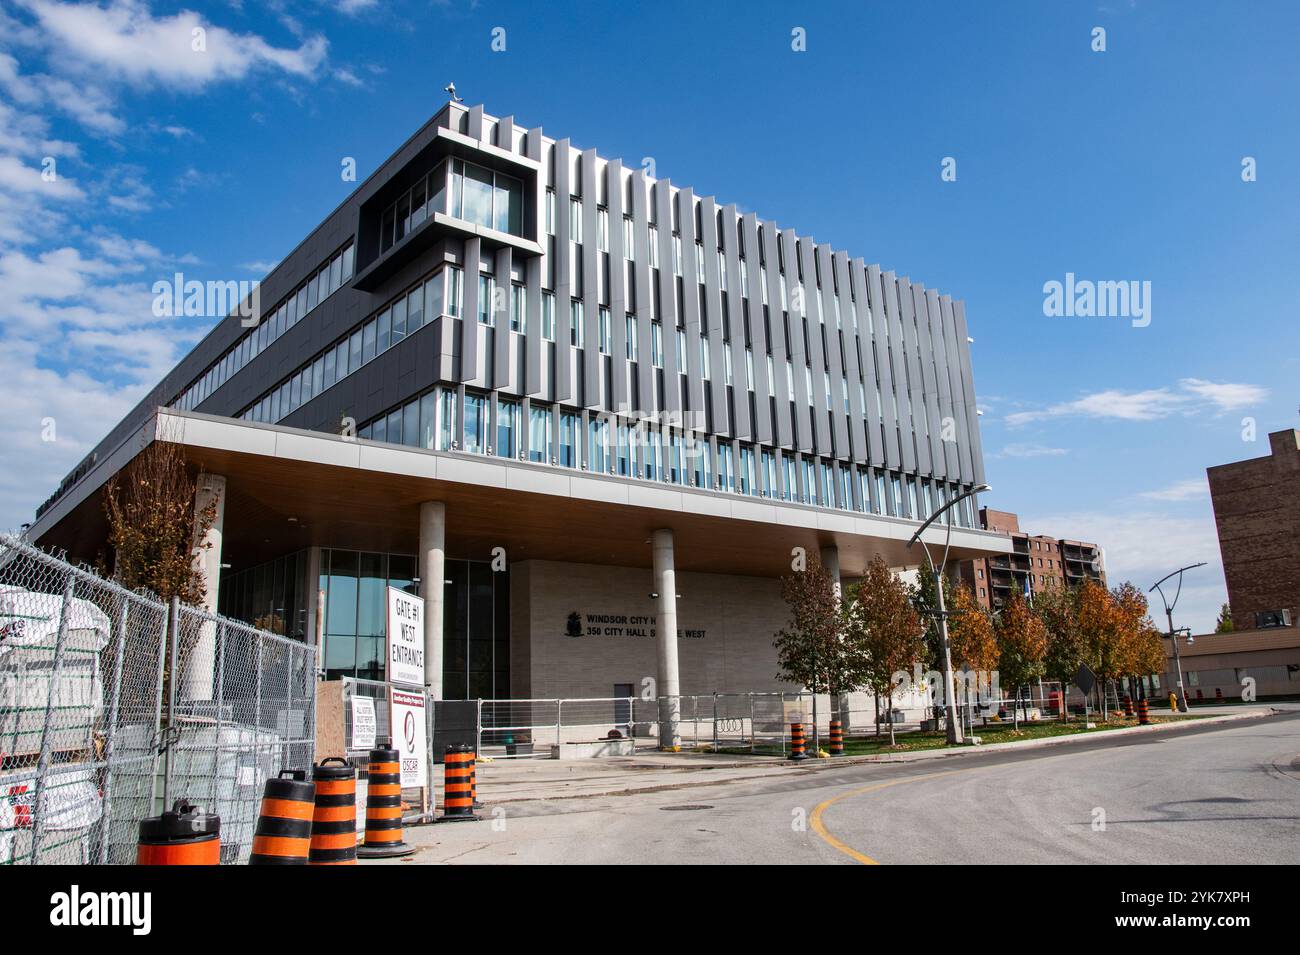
(1035, 563)
(1257, 515)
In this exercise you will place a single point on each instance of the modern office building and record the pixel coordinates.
(1035, 562)
(1257, 515)
(575, 407)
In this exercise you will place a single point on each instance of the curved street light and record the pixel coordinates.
(955, 734)
(1173, 635)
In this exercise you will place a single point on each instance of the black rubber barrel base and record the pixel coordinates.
(384, 852)
(468, 818)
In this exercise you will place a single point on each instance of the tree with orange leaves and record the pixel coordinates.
(1022, 646)
(971, 640)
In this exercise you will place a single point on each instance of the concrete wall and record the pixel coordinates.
(727, 626)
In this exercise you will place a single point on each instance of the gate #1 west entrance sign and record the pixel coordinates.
(406, 690)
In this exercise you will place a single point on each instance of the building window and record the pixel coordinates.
(570, 452)
(486, 293)
(518, 307)
(507, 428)
(476, 423)
(657, 344)
(604, 331)
(577, 331)
(540, 433)
(455, 291)
(575, 220)
(548, 316)
(629, 331)
(486, 198)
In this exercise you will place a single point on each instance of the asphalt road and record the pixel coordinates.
(1214, 794)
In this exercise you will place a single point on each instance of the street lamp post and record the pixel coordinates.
(955, 734)
(1173, 635)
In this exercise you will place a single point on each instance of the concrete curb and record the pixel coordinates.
(700, 775)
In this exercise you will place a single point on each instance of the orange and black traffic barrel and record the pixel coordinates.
(283, 833)
(458, 786)
(1128, 705)
(797, 742)
(1144, 712)
(184, 836)
(836, 747)
(384, 807)
(1218, 694)
(334, 819)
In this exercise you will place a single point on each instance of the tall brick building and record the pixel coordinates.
(1257, 514)
(1035, 563)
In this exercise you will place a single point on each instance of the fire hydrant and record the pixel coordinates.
(1173, 701)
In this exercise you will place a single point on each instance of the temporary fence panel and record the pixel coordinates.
(420, 801)
(112, 703)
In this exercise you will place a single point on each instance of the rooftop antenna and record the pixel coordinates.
(450, 89)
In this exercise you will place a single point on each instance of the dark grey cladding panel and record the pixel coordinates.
(591, 358)
(967, 422)
(781, 426)
(898, 364)
(849, 347)
(641, 276)
(503, 340)
(797, 316)
(667, 294)
(712, 322)
(877, 285)
(915, 387)
(534, 346)
(690, 302)
(954, 426)
(875, 447)
(563, 291)
(932, 422)
(617, 285)
(471, 362)
(968, 389)
(745, 429)
(816, 318)
(838, 370)
(762, 426)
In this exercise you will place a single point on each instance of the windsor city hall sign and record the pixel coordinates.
(620, 625)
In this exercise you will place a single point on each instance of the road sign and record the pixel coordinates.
(406, 710)
(405, 638)
(1085, 679)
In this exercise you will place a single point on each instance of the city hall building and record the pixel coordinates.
(587, 414)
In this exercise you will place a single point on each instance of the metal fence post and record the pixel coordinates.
(173, 654)
(753, 726)
(43, 761)
(559, 722)
(715, 722)
(107, 809)
(222, 634)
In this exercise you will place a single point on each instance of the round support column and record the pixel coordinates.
(433, 575)
(667, 686)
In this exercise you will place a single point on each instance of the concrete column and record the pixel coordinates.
(433, 576)
(667, 685)
(200, 666)
(830, 558)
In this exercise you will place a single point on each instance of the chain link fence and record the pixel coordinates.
(113, 704)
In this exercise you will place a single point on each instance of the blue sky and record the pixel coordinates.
(1123, 164)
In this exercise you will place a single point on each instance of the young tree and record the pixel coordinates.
(1140, 651)
(884, 629)
(152, 525)
(1057, 608)
(1100, 631)
(971, 639)
(1022, 645)
(810, 650)
(925, 597)
(1224, 624)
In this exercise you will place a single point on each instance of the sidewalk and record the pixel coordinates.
(527, 780)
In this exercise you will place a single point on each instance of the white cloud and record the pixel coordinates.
(15, 176)
(124, 40)
(1188, 490)
(1226, 396)
(1143, 545)
(1029, 451)
(260, 267)
(353, 7)
(1153, 404)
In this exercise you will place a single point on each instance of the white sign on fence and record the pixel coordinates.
(363, 723)
(405, 638)
(406, 711)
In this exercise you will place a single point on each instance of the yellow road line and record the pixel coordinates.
(820, 828)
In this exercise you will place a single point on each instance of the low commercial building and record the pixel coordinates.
(587, 414)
